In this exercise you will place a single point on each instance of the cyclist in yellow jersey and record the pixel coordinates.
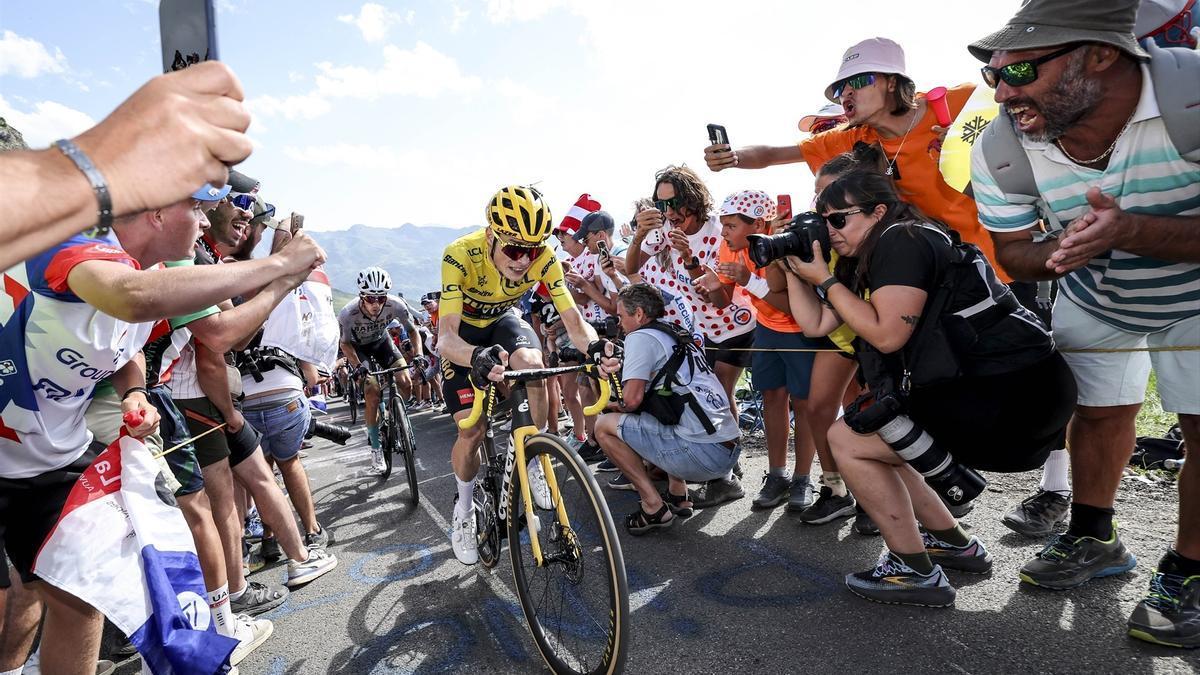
(484, 275)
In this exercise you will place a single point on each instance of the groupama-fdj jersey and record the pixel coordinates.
(473, 288)
(360, 329)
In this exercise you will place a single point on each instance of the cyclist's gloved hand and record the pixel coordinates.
(606, 354)
(487, 365)
(421, 363)
(360, 371)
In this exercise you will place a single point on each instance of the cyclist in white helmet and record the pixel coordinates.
(364, 324)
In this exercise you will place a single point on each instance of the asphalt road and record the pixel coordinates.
(728, 590)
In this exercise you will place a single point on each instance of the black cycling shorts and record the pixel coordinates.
(509, 331)
(384, 352)
(731, 351)
(1007, 423)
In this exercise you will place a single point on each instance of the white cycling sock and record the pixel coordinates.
(465, 489)
(780, 471)
(1054, 472)
(218, 605)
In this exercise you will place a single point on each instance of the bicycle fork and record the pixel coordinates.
(523, 428)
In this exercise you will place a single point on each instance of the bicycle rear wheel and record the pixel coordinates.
(577, 602)
(406, 445)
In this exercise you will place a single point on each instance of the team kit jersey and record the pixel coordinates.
(716, 323)
(473, 288)
(54, 349)
(359, 329)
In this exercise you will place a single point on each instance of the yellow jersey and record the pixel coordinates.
(473, 288)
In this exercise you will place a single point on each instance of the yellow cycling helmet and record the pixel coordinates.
(519, 215)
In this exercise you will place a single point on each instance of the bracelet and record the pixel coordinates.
(828, 284)
(757, 286)
(99, 186)
(134, 390)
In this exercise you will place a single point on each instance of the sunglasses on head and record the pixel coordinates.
(837, 220)
(517, 253)
(1021, 73)
(675, 202)
(856, 82)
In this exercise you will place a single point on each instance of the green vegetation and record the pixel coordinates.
(1151, 420)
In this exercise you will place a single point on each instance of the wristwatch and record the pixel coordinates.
(691, 265)
(828, 284)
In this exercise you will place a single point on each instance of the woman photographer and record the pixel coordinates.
(978, 379)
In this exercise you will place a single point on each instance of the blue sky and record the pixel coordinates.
(385, 113)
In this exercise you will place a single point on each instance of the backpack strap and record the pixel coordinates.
(1010, 167)
(1179, 105)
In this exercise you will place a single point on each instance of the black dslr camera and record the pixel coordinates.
(609, 328)
(796, 239)
(883, 415)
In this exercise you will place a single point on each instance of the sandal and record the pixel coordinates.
(639, 522)
(680, 504)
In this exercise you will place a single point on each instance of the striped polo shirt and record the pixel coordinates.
(1145, 175)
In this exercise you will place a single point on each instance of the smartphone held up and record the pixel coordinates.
(188, 30)
(717, 135)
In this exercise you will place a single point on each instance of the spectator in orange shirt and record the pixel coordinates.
(882, 106)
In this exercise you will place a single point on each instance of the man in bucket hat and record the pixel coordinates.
(1085, 116)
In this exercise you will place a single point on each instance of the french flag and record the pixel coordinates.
(122, 546)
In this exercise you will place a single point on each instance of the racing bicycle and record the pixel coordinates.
(351, 390)
(395, 429)
(566, 558)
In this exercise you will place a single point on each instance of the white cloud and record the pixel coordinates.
(374, 21)
(301, 107)
(28, 58)
(421, 71)
(357, 156)
(503, 11)
(460, 17)
(526, 105)
(46, 122)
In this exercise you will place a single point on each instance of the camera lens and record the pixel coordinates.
(330, 432)
(953, 481)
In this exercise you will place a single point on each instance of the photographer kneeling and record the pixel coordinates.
(960, 378)
(678, 414)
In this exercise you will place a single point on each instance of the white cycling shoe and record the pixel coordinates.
(463, 539)
(538, 486)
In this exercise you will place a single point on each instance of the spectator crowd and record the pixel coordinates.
(903, 333)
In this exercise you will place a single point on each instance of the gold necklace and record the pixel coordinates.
(1103, 155)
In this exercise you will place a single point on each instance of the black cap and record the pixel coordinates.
(598, 221)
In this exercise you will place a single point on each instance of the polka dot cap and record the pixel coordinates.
(750, 203)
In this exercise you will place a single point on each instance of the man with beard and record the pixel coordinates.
(1091, 122)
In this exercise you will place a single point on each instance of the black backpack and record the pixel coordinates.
(662, 401)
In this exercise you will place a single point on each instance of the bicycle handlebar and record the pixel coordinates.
(529, 374)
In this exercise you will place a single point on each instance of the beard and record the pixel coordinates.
(1066, 102)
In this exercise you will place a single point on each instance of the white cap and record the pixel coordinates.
(874, 55)
(827, 111)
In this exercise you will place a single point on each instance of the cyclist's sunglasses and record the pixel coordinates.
(837, 220)
(675, 202)
(374, 299)
(857, 82)
(1021, 73)
(517, 253)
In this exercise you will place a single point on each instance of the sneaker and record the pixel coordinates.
(1170, 614)
(462, 537)
(863, 524)
(1069, 561)
(827, 508)
(620, 482)
(258, 598)
(972, 558)
(590, 452)
(716, 491)
(1039, 515)
(254, 527)
(773, 493)
(251, 564)
(250, 634)
(318, 564)
(894, 583)
(538, 487)
(737, 469)
(318, 539)
(270, 550)
(377, 464)
(800, 493)
(606, 466)
(421, 405)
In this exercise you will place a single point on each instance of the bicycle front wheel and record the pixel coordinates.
(405, 444)
(577, 601)
(387, 440)
(352, 398)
